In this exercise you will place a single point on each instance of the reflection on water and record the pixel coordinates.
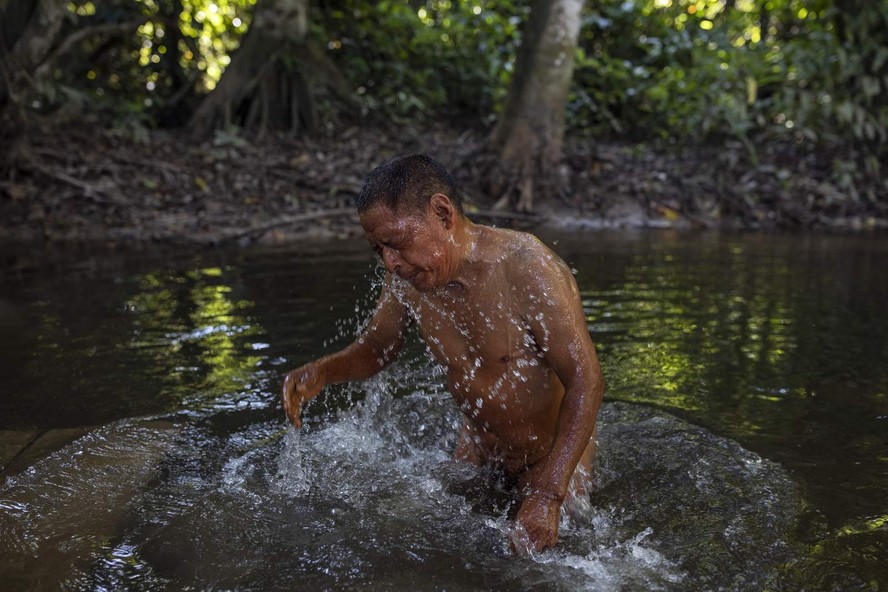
(778, 344)
(193, 316)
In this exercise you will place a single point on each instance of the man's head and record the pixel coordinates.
(407, 183)
(412, 215)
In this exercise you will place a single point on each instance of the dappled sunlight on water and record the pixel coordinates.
(217, 333)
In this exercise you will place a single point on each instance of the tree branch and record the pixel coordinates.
(108, 30)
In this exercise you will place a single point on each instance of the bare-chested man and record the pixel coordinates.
(502, 313)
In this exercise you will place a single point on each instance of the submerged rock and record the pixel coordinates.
(12, 443)
(58, 512)
(39, 446)
(724, 515)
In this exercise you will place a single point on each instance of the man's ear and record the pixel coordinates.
(443, 209)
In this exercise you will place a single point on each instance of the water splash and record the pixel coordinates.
(291, 477)
(369, 497)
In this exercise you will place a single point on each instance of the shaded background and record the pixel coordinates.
(193, 119)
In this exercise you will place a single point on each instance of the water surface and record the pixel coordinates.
(744, 443)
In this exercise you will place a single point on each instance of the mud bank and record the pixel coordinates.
(113, 186)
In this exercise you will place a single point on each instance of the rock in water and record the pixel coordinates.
(722, 514)
(57, 513)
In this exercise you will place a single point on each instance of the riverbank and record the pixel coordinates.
(137, 186)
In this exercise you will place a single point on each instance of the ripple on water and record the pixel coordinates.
(370, 498)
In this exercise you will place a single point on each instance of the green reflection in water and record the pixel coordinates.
(189, 322)
(873, 524)
(850, 558)
(775, 346)
(220, 331)
(694, 338)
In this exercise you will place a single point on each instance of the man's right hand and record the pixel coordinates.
(301, 385)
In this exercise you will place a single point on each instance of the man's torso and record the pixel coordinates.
(496, 370)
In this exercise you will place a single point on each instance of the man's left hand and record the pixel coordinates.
(536, 525)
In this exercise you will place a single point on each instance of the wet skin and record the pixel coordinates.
(502, 313)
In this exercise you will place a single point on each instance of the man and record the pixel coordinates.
(503, 314)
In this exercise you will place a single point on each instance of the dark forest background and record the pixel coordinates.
(748, 112)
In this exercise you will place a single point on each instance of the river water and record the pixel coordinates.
(743, 442)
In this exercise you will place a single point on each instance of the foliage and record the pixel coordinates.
(693, 69)
(419, 59)
(803, 71)
(175, 45)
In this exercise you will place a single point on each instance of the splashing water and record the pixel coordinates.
(291, 478)
(370, 497)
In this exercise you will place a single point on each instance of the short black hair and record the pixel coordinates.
(407, 182)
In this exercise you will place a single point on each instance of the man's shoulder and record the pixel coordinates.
(509, 244)
(523, 254)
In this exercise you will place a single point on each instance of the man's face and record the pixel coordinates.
(411, 245)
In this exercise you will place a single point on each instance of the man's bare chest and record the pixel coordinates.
(482, 332)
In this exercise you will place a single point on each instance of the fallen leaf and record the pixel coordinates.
(668, 213)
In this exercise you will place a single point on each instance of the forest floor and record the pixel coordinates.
(124, 185)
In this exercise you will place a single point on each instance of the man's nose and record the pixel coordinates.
(390, 260)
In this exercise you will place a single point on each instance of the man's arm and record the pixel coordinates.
(554, 313)
(370, 353)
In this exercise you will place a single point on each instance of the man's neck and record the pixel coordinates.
(465, 247)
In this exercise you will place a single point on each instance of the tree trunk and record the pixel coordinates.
(29, 29)
(171, 112)
(527, 141)
(266, 85)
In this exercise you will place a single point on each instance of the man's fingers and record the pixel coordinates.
(297, 412)
(293, 417)
(298, 387)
